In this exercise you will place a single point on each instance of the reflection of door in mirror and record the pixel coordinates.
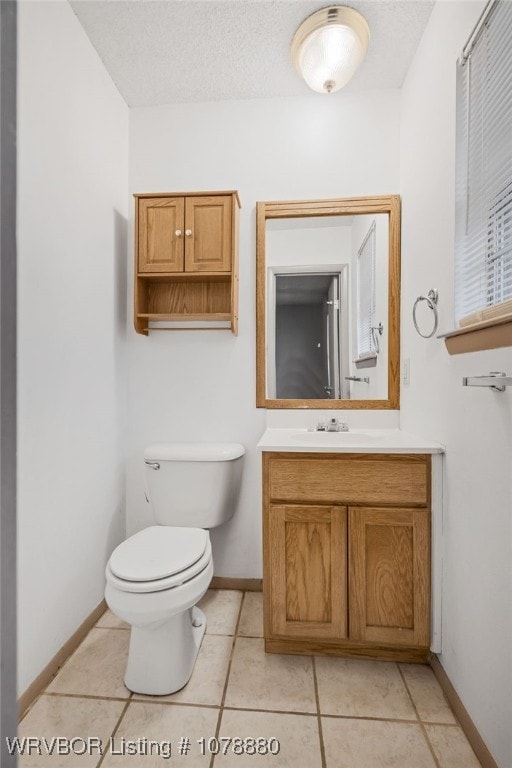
(308, 356)
(370, 297)
(332, 339)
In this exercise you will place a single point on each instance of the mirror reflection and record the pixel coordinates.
(327, 307)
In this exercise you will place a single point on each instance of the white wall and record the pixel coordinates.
(474, 424)
(73, 145)
(201, 385)
(306, 245)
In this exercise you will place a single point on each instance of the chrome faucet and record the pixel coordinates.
(333, 425)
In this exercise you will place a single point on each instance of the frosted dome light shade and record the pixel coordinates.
(329, 46)
(329, 57)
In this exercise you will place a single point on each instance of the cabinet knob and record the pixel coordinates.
(188, 232)
(178, 233)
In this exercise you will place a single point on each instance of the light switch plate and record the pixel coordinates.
(406, 372)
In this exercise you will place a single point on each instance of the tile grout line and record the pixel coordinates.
(271, 711)
(92, 696)
(299, 713)
(154, 700)
(319, 718)
(224, 691)
(137, 698)
(115, 729)
(117, 629)
(367, 718)
(251, 637)
(420, 722)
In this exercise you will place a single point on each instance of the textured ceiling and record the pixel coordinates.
(168, 51)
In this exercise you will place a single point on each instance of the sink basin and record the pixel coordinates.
(335, 438)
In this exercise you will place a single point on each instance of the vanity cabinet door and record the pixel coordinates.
(306, 571)
(389, 576)
(208, 234)
(160, 234)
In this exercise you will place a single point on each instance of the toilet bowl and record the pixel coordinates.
(156, 577)
(167, 629)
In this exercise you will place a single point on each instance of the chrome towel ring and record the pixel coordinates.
(431, 298)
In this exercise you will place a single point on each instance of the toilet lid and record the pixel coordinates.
(158, 552)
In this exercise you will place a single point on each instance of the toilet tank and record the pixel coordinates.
(194, 485)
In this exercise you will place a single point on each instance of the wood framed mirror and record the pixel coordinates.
(328, 303)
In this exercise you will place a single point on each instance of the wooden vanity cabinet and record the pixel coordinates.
(186, 258)
(346, 545)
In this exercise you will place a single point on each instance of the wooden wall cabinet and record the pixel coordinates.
(186, 259)
(346, 547)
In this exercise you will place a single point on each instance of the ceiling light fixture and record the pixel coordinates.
(329, 46)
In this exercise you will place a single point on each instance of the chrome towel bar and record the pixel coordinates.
(364, 379)
(496, 380)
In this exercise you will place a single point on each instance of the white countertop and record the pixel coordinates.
(354, 441)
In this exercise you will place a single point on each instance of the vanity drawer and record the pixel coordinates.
(349, 479)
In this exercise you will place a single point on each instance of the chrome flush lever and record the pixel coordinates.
(152, 464)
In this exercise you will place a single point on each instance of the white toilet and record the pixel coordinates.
(156, 577)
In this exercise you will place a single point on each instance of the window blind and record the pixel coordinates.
(366, 296)
(483, 229)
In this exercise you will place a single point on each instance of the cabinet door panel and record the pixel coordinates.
(308, 563)
(208, 246)
(160, 249)
(389, 581)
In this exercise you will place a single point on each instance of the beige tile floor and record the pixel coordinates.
(325, 712)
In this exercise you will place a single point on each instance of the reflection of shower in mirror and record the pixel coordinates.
(311, 339)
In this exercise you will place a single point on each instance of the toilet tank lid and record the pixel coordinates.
(194, 451)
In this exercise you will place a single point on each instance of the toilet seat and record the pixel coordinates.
(159, 558)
